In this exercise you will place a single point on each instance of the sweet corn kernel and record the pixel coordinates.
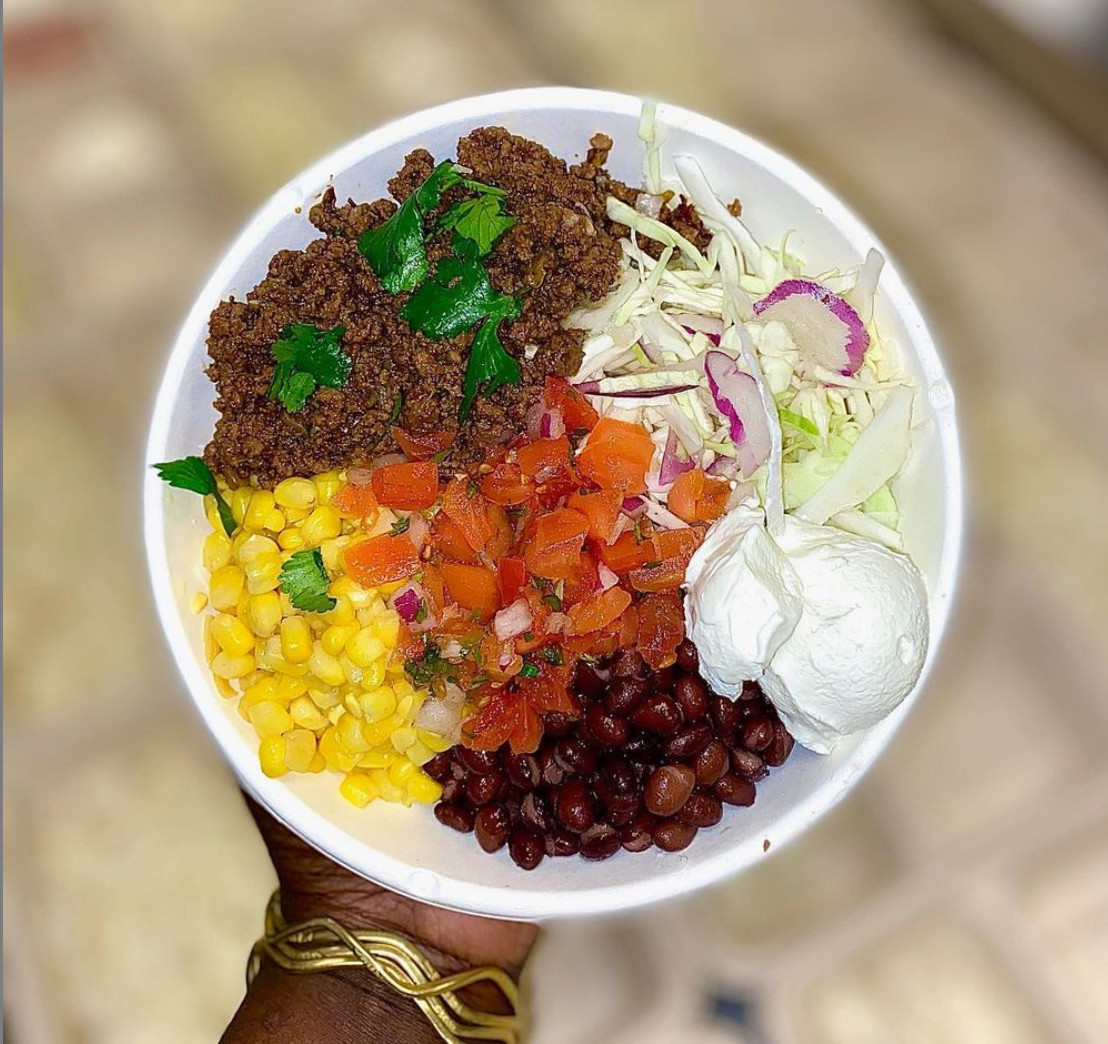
(324, 697)
(389, 589)
(378, 758)
(232, 634)
(322, 524)
(306, 714)
(329, 747)
(365, 647)
(378, 704)
(225, 665)
(360, 597)
(296, 639)
(224, 687)
(404, 706)
(290, 540)
(254, 546)
(226, 587)
(275, 521)
(389, 790)
(359, 789)
(401, 770)
(272, 753)
(217, 550)
(433, 741)
(378, 732)
(403, 738)
(198, 603)
(265, 613)
(283, 666)
(261, 504)
(350, 702)
(240, 501)
(332, 550)
(327, 484)
(318, 762)
(424, 789)
(266, 690)
(374, 674)
(387, 626)
(350, 735)
(299, 749)
(336, 636)
(418, 753)
(343, 614)
(289, 688)
(325, 666)
(293, 516)
(336, 714)
(269, 718)
(295, 493)
(263, 573)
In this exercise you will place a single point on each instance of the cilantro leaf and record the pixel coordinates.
(193, 474)
(396, 250)
(458, 296)
(307, 357)
(480, 186)
(489, 367)
(401, 525)
(529, 670)
(305, 581)
(481, 220)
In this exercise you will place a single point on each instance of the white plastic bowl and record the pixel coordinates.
(406, 849)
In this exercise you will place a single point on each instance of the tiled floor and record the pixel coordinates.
(958, 897)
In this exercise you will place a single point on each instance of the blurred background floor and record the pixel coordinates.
(961, 895)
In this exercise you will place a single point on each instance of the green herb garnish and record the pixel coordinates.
(552, 654)
(421, 612)
(481, 220)
(456, 298)
(528, 670)
(489, 367)
(397, 408)
(552, 602)
(397, 249)
(193, 474)
(652, 565)
(307, 357)
(423, 669)
(400, 526)
(305, 581)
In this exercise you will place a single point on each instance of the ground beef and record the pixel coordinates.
(562, 253)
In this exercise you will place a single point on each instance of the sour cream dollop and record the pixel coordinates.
(833, 626)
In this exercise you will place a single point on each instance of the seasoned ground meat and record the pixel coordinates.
(562, 253)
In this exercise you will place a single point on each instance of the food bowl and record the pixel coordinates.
(405, 849)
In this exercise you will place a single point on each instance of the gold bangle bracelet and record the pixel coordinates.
(322, 944)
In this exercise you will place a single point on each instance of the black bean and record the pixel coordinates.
(550, 772)
(491, 826)
(562, 843)
(479, 761)
(780, 747)
(534, 810)
(629, 662)
(734, 790)
(575, 756)
(670, 836)
(701, 810)
(711, 763)
(453, 790)
(747, 763)
(726, 716)
(600, 842)
(658, 714)
(663, 679)
(668, 788)
(608, 729)
(575, 806)
(454, 816)
(688, 659)
(440, 767)
(589, 680)
(619, 774)
(625, 694)
(757, 732)
(480, 790)
(522, 770)
(692, 694)
(525, 845)
(557, 724)
(638, 834)
(688, 742)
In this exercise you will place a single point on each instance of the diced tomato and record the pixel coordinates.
(512, 575)
(416, 446)
(548, 690)
(661, 623)
(672, 549)
(381, 560)
(560, 395)
(617, 456)
(506, 486)
(556, 548)
(601, 508)
(408, 487)
(356, 500)
(677, 543)
(463, 502)
(584, 581)
(502, 538)
(599, 611)
(507, 717)
(448, 539)
(499, 660)
(697, 497)
(543, 459)
(472, 587)
(628, 552)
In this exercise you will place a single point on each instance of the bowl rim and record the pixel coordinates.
(275, 795)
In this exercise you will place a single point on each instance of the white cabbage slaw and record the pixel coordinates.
(835, 406)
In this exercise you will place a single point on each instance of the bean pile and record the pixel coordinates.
(652, 759)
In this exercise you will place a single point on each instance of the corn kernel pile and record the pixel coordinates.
(322, 690)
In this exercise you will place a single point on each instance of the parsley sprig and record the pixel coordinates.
(304, 579)
(307, 357)
(193, 474)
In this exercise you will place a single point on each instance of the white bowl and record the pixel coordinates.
(406, 849)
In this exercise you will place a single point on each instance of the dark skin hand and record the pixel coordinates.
(353, 1006)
